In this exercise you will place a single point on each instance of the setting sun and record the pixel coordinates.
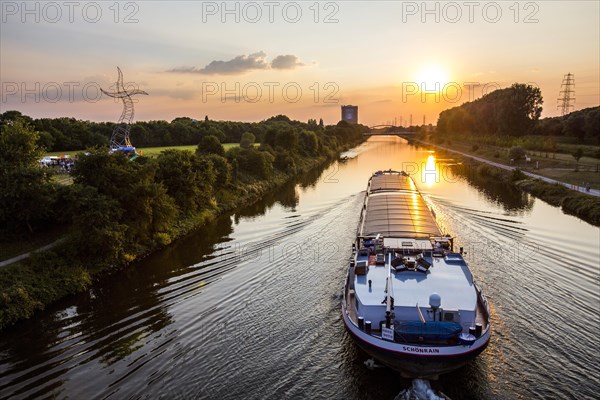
(432, 77)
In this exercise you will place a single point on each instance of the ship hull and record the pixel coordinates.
(416, 361)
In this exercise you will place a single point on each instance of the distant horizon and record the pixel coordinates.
(200, 119)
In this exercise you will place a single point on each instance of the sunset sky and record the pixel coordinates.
(371, 54)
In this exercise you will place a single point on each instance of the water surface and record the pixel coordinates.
(249, 306)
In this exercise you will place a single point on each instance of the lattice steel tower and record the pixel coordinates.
(567, 94)
(120, 135)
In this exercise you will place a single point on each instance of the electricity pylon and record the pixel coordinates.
(120, 135)
(567, 94)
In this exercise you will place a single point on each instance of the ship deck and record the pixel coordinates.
(396, 223)
(451, 280)
(395, 208)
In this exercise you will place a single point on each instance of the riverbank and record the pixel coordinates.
(546, 165)
(118, 211)
(580, 204)
(48, 276)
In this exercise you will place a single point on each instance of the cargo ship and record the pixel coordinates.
(410, 301)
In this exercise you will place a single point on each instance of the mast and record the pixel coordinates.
(389, 307)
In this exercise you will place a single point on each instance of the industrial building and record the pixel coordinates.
(350, 114)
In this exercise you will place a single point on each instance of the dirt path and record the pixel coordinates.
(28, 254)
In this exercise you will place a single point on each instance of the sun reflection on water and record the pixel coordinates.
(431, 173)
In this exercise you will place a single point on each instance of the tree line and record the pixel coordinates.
(581, 125)
(119, 208)
(135, 201)
(515, 112)
(70, 134)
(504, 112)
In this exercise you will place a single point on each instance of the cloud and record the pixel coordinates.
(178, 94)
(237, 65)
(242, 64)
(288, 61)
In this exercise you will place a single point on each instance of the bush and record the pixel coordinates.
(176, 172)
(258, 164)
(285, 163)
(222, 170)
(26, 194)
(247, 140)
(517, 175)
(32, 284)
(210, 145)
(475, 147)
(517, 153)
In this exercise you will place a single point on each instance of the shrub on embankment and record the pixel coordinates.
(579, 204)
(119, 210)
(33, 283)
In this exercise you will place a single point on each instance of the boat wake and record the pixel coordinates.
(420, 390)
(371, 364)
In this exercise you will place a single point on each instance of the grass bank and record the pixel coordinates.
(147, 151)
(575, 203)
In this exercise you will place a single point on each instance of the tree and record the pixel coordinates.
(222, 169)
(235, 170)
(211, 129)
(207, 176)
(210, 145)
(140, 136)
(13, 115)
(577, 156)
(26, 194)
(96, 231)
(260, 163)
(176, 170)
(284, 162)
(550, 146)
(287, 139)
(575, 126)
(280, 118)
(519, 109)
(309, 143)
(247, 140)
(147, 208)
(592, 124)
(46, 141)
(510, 112)
(516, 153)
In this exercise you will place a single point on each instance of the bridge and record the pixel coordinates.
(387, 132)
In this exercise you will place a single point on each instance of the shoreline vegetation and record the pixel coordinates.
(572, 202)
(504, 127)
(118, 210)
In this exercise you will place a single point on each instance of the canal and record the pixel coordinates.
(249, 306)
